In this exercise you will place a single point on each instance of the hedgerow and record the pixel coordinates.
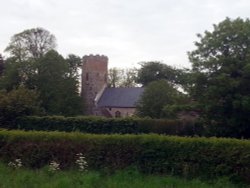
(99, 125)
(184, 156)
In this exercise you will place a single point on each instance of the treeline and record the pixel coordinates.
(216, 87)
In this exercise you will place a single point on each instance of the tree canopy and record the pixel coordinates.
(31, 43)
(221, 76)
(155, 70)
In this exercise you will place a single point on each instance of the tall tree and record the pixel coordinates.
(31, 43)
(58, 91)
(221, 75)
(25, 49)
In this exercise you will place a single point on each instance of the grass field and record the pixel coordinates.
(24, 178)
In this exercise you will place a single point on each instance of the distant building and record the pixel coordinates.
(101, 100)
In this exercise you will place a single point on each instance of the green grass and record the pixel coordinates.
(24, 178)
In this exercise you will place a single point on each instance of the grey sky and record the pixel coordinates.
(127, 31)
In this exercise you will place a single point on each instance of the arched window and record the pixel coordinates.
(117, 114)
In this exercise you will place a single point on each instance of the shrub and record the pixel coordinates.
(99, 125)
(188, 157)
(17, 103)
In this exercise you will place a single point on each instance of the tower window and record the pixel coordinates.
(87, 76)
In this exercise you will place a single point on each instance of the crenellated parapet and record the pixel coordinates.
(91, 57)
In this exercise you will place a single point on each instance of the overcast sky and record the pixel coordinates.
(127, 31)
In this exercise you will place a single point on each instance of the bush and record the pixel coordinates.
(99, 125)
(188, 157)
(17, 103)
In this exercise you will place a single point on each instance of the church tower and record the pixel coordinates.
(94, 80)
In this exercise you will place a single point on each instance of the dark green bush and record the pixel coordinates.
(99, 125)
(17, 103)
(184, 156)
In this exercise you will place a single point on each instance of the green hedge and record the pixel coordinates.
(184, 156)
(99, 125)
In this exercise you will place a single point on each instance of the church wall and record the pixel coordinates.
(125, 112)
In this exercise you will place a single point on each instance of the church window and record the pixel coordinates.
(117, 114)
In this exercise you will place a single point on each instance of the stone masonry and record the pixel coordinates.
(94, 80)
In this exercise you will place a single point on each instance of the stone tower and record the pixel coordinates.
(94, 80)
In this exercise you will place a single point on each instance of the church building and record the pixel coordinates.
(101, 100)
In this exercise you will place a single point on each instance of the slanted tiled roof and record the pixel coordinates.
(120, 97)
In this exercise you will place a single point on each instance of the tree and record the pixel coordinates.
(31, 43)
(114, 77)
(25, 48)
(16, 103)
(10, 78)
(221, 76)
(75, 63)
(122, 77)
(154, 70)
(58, 91)
(129, 77)
(35, 65)
(156, 95)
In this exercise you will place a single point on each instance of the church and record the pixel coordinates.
(100, 99)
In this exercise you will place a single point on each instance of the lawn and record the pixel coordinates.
(44, 178)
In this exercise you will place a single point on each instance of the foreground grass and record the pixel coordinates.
(16, 178)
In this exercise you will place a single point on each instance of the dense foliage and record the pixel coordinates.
(155, 70)
(188, 157)
(221, 76)
(100, 125)
(17, 103)
(34, 64)
(58, 90)
(156, 96)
